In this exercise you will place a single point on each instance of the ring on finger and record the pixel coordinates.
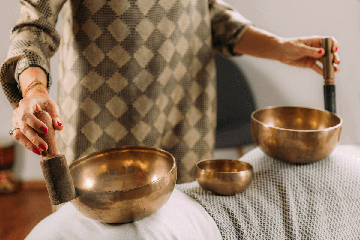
(11, 132)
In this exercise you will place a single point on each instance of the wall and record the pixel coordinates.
(272, 83)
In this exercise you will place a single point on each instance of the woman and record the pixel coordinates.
(133, 72)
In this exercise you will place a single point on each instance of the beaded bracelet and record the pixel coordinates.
(33, 84)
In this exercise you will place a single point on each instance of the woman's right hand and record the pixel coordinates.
(36, 99)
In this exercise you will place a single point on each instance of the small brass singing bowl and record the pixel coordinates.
(224, 176)
(123, 184)
(296, 134)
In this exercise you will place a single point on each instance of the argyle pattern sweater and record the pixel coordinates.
(131, 72)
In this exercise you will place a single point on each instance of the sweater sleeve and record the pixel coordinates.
(34, 40)
(228, 26)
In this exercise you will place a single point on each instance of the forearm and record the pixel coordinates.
(260, 43)
(30, 75)
(34, 40)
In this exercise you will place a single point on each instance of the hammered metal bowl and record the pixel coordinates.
(124, 184)
(224, 176)
(296, 134)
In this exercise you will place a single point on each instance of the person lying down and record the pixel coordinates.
(285, 201)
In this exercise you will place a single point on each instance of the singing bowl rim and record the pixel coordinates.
(224, 159)
(296, 130)
(83, 158)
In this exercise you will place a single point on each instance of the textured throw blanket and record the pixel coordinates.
(288, 201)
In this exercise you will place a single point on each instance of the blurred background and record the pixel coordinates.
(267, 83)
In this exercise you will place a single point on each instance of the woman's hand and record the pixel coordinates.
(302, 52)
(35, 100)
(305, 52)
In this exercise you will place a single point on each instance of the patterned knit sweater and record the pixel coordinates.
(131, 72)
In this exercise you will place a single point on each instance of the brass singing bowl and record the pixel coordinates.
(296, 134)
(123, 184)
(224, 176)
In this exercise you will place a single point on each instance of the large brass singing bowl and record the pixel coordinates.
(224, 176)
(124, 184)
(296, 134)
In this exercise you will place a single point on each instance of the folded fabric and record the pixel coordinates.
(284, 201)
(287, 201)
(180, 218)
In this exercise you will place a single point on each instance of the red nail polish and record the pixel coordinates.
(37, 151)
(44, 129)
(42, 147)
(335, 49)
(59, 123)
(319, 51)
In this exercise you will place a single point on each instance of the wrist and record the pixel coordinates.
(35, 88)
(279, 48)
(30, 76)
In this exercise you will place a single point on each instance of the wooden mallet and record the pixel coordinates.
(54, 166)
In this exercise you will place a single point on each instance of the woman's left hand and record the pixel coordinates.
(305, 52)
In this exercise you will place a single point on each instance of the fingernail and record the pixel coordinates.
(320, 51)
(42, 147)
(44, 129)
(336, 49)
(37, 151)
(59, 123)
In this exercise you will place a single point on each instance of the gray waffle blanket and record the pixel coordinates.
(287, 201)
